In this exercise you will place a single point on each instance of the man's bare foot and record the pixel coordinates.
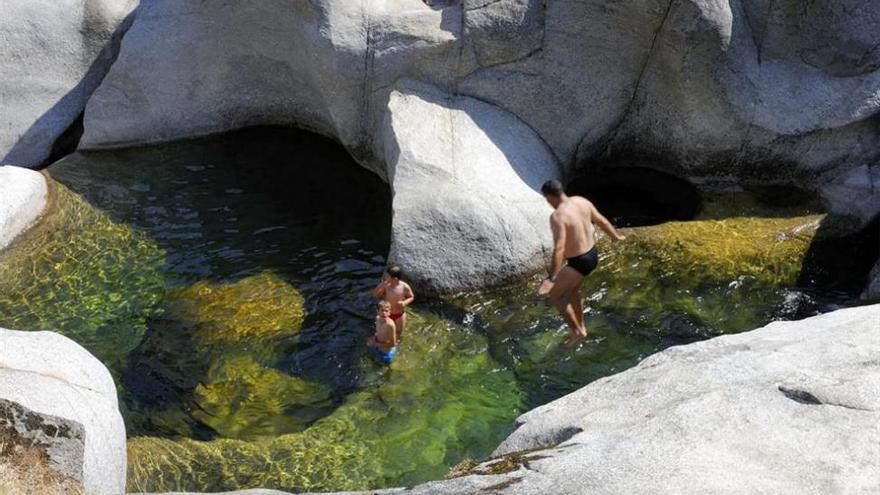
(574, 338)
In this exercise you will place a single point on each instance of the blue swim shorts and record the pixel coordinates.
(385, 357)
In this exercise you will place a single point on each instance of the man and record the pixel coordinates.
(398, 293)
(384, 341)
(574, 240)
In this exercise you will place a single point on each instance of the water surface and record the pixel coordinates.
(225, 282)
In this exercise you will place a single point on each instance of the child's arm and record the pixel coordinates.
(379, 290)
(410, 297)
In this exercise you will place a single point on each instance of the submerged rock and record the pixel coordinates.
(768, 251)
(106, 275)
(249, 312)
(23, 197)
(59, 421)
(207, 361)
(790, 408)
(377, 433)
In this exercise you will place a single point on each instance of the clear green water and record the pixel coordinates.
(225, 283)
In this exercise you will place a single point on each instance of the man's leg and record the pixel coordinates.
(567, 281)
(577, 303)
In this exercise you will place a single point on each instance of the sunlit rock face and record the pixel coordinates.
(53, 56)
(482, 166)
(23, 197)
(59, 422)
(741, 92)
(730, 92)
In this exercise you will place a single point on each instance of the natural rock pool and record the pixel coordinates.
(225, 282)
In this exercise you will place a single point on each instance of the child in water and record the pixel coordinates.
(398, 293)
(384, 340)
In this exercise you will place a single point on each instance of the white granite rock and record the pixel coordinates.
(465, 177)
(53, 54)
(749, 92)
(23, 196)
(52, 376)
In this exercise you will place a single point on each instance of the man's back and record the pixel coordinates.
(575, 216)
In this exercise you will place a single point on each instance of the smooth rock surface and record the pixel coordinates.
(51, 375)
(53, 54)
(718, 92)
(23, 196)
(854, 197)
(465, 176)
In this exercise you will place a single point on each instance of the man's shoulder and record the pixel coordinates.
(581, 200)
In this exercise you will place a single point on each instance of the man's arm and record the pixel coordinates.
(600, 221)
(409, 296)
(558, 246)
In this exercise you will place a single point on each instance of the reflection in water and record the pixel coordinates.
(226, 283)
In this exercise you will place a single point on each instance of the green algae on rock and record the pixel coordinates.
(243, 399)
(251, 311)
(213, 346)
(80, 273)
(666, 284)
(769, 250)
(443, 399)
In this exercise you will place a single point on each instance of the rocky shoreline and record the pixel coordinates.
(792, 407)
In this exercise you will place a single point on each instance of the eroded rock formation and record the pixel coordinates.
(722, 93)
(59, 406)
(53, 55)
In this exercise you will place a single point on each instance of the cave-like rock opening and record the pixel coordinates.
(636, 196)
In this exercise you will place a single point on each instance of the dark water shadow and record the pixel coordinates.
(841, 262)
(632, 196)
(231, 206)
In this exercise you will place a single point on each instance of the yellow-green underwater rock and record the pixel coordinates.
(243, 399)
(442, 397)
(207, 361)
(83, 275)
(770, 250)
(250, 310)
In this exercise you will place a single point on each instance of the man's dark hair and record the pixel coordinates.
(394, 271)
(552, 188)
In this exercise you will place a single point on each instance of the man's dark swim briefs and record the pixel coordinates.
(586, 262)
